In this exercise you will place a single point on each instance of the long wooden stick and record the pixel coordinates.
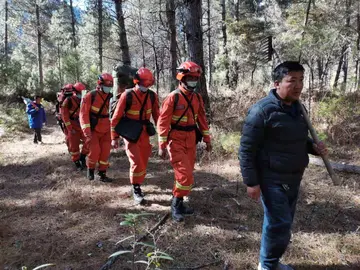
(336, 181)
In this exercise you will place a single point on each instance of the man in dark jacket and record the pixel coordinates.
(273, 156)
(36, 117)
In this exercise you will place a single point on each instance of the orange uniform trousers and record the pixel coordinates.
(138, 154)
(99, 150)
(74, 137)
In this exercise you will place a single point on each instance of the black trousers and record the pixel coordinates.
(37, 135)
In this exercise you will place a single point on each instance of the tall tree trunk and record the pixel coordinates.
(100, 33)
(193, 13)
(237, 10)
(6, 41)
(39, 34)
(357, 72)
(345, 66)
(209, 44)
(141, 34)
(59, 60)
(223, 28)
(122, 33)
(73, 22)
(305, 24)
(337, 76)
(170, 14)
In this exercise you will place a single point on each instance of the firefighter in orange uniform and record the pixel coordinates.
(182, 118)
(142, 100)
(70, 115)
(95, 123)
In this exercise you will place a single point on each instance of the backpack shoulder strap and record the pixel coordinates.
(152, 97)
(129, 95)
(93, 95)
(176, 94)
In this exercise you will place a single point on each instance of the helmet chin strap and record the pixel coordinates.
(188, 88)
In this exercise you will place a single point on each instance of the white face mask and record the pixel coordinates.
(142, 88)
(192, 84)
(107, 89)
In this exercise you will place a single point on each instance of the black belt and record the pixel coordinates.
(184, 128)
(99, 116)
(74, 118)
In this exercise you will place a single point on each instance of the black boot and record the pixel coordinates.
(176, 209)
(186, 210)
(103, 177)
(90, 174)
(82, 161)
(78, 165)
(138, 195)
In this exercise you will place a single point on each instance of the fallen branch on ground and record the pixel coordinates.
(336, 166)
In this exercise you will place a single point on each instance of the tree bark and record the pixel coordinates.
(336, 166)
(237, 10)
(345, 65)
(122, 33)
(193, 14)
(141, 34)
(39, 34)
(337, 76)
(170, 14)
(73, 22)
(223, 29)
(100, 33)
(357, 67)
(209, 44)
(305, 24)
(6, 41)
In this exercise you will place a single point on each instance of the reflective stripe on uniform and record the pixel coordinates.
(206, 132)
(67, 124)
(103, 162)
(132, 112)
(148, 111)
(181, 187)
(176, 118)
(163, 139)
(74, 153)
(138, 174)
(85, 126)
(95, 108)
(112, 128)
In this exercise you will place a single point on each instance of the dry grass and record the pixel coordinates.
(50, 213)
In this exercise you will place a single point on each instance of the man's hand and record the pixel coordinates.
(208, 147)
(162, 153)
(87, 138)
(115, 143)
(320, 149)
(254, 192)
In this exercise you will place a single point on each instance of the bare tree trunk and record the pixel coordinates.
(157, 67)
(305, 24)
(122, 33)
(209, 44)
(141, 34)
(59, 60)
(194, 37)
(345, 66)
(357, 71)
(100, 33)
(39, 34)
(170, 13)
(223, 28)
(73, 22)
(237, 10)
(337, 76)
(6, 41)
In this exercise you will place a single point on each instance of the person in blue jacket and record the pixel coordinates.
(36, 117)
(273, 155)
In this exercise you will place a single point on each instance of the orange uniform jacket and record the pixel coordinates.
(87, 108)
(170, 115)
(134, 111)
(71, 107)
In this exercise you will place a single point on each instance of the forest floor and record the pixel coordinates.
(49, 213)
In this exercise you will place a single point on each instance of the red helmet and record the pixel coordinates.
(188, 68)
(79, 87)
(106, 79)
(144, 77)
(68, 87)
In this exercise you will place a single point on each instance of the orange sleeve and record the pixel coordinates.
(65, 114)
(118, 114)
(85, 114)
(164, 121)
(155, 109)
(202, 121)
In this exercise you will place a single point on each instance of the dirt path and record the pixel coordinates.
(50, 213)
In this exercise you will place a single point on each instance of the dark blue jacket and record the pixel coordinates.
(274, 143)
(36, 118)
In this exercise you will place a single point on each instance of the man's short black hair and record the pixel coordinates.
(284, 68)
(36, 97)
